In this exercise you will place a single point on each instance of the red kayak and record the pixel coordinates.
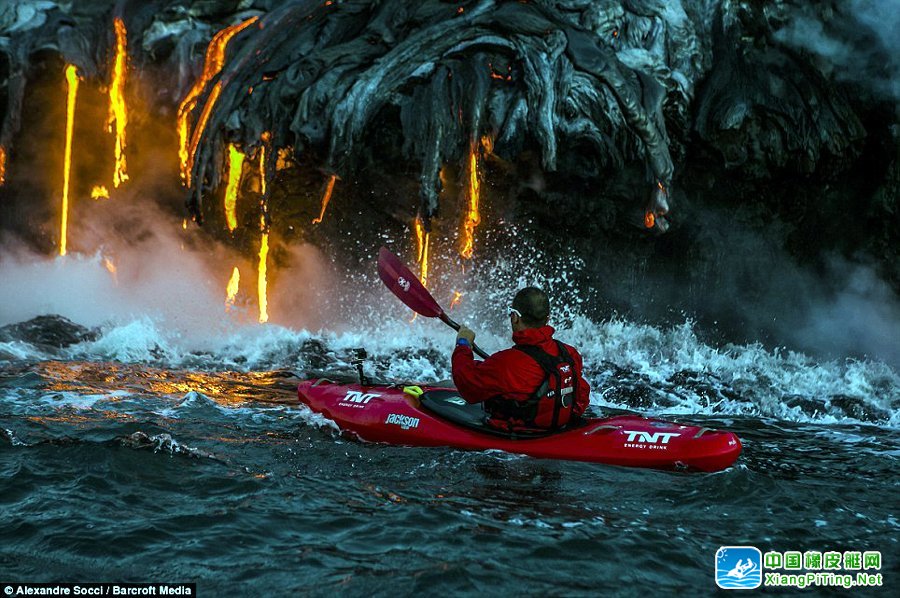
(430, 416)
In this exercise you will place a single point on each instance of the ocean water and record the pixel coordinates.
(140, 455)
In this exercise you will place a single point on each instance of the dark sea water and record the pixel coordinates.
(128, 458)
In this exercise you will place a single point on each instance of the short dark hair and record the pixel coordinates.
(534, 305)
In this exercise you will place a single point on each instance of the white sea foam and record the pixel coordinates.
(758, 380)
(19, 350)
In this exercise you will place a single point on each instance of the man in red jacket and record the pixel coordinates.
(536, 385)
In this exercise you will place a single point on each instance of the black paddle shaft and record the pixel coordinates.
(452, 324)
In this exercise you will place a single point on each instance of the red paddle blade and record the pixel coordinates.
(406, 286)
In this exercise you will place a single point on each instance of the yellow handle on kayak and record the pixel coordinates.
(414, 391)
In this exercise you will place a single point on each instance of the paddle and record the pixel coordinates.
(406, 286)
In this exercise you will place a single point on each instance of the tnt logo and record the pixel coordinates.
(354, 396)
(650, 438)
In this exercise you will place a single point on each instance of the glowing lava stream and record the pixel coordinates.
(2, 165)
(473, 193)
(213, 64)
(71, 95)
(231, 290)
(422, 241)
(262, 165)
(326, 197)
(235, 167)
(261, 284)
(118, 114)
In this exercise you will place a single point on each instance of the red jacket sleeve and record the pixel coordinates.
(479, 381)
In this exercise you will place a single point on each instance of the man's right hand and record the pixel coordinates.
(467, 334)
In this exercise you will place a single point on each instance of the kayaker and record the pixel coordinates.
(535, 385)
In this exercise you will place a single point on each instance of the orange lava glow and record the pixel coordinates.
(2, 165)
(225, 388)
(649, 219)
(99, 192)
(71, 95)
(235, 167)
(261, 283)
(283, 162)
(326, 197)
(501, 76)
(231, 291)
(118, 114)
(213, 64)
(473, 193)
(457, 298)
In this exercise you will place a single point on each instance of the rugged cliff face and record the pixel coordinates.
(762, 136)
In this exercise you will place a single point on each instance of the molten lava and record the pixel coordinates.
(285, 156)
(501, 76)
(423, 238)
(71, 95)
(326, 197)
(198, 132)
(99, 192)
(473, 192)
(457, 298)
(266, 137)
(118, 114)
(213, 64)
(231, 291)
(261, 283)
(2, 165)
(657, 209)
(235, 167)
(111, 268)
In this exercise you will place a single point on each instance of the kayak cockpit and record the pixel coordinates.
(450, 406)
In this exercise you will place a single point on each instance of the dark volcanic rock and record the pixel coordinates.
(857, 408)
(53, 332)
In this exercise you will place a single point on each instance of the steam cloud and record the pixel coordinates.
(859, 43)
(161, 271)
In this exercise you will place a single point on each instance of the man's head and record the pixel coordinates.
(530, 309)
